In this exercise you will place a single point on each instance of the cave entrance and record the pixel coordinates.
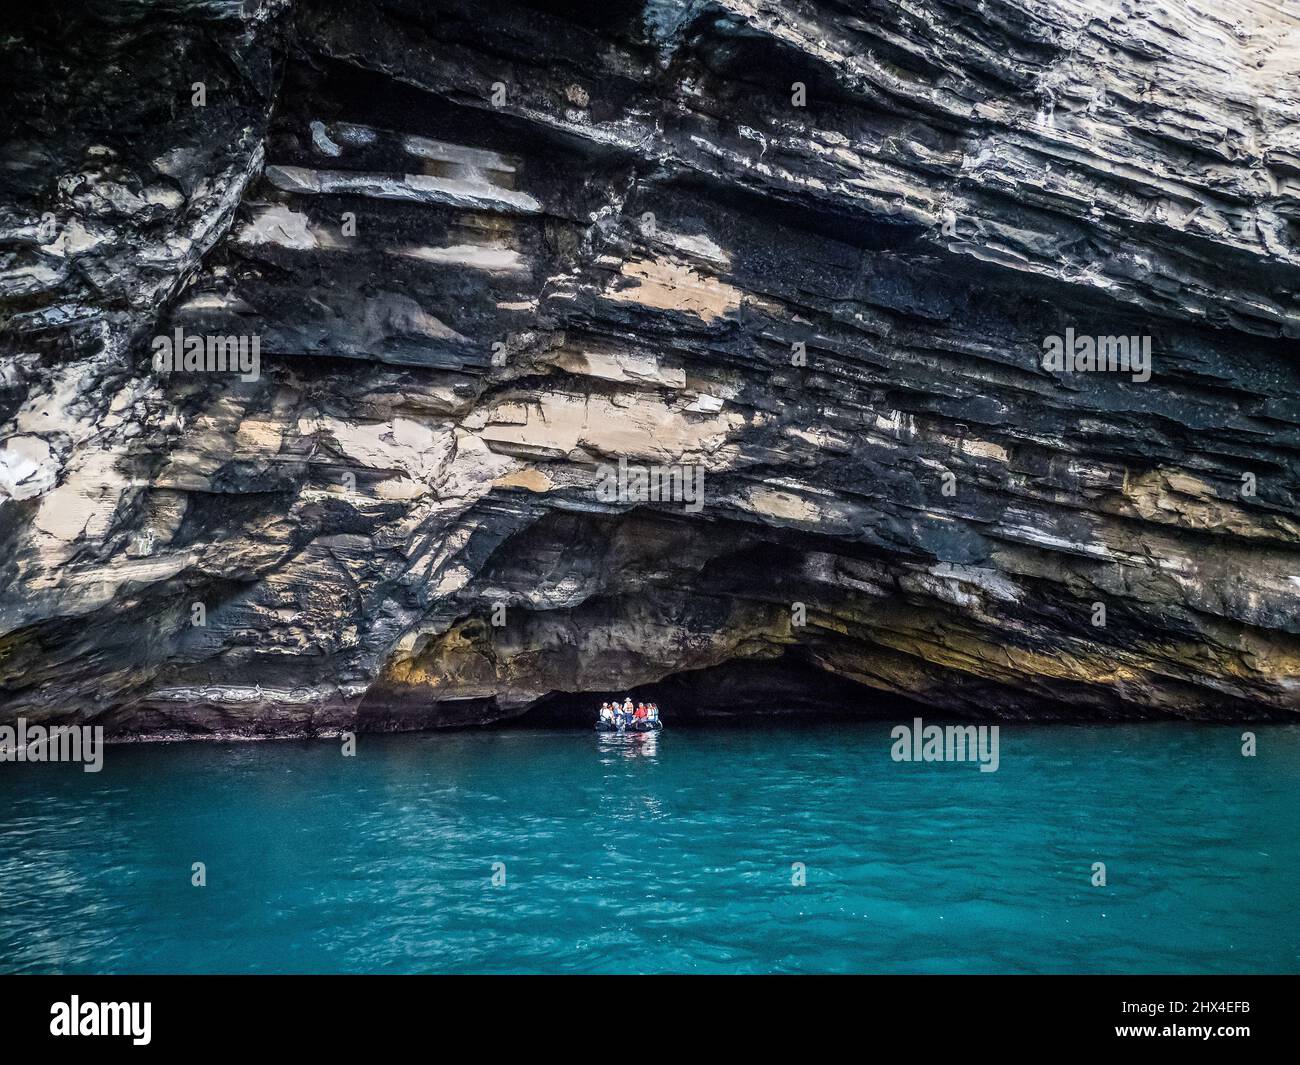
(741, 691)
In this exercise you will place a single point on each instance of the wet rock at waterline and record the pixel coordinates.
(727, 347)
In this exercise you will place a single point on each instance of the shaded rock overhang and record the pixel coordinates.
(810, 253)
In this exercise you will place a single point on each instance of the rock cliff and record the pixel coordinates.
(801, 264)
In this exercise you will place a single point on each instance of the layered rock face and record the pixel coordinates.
(807, 264)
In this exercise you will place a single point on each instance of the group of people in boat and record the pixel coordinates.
(624, 717)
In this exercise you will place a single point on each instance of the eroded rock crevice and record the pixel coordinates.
(489, 249)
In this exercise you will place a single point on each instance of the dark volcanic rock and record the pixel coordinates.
(813, 250)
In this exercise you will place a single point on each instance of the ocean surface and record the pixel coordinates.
(673, 852)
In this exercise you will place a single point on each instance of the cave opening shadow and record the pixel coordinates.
(739, 692)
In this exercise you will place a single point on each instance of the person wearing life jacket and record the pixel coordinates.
(607, 713)
(652, 711)
(641, 712)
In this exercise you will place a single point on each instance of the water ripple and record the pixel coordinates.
(670, 852)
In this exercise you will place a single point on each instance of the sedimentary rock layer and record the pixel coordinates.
(805, 255)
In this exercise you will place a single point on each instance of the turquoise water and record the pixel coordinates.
(668, 852)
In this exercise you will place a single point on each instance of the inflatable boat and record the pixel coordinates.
(644, 725)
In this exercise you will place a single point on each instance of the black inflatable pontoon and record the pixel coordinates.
(643, 725)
